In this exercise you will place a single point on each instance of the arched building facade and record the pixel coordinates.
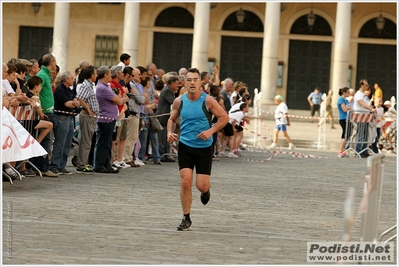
(273, 49)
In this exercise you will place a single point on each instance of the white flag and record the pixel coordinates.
(17, 143)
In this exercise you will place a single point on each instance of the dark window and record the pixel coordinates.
(369, 30)
(320, 26)
(251, 23)
(172, 50)
(34, 42)
(176, 17)
(106, 51)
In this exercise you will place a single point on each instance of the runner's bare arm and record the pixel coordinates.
(219, 112)
(171, 136)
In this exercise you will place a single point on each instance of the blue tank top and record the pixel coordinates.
(195, 118)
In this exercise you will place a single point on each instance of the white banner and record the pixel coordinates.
(17, 144)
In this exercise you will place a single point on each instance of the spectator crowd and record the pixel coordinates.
(119, 113)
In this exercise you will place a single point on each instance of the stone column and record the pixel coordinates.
(131, 28)
(341, 49)
(61, 35)
(268, 84)
(201, 36)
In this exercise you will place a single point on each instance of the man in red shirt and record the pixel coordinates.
(121, 133)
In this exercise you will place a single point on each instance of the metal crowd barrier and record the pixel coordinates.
(361, 124)
(26, 116)
(371, 201)
(387, 232)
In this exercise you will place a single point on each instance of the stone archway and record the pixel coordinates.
(377, 62)
(309, 62)
(241, 57)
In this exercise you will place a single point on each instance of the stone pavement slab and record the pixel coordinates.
(259, 213)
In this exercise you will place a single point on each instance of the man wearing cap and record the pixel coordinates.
(125, 60)
(282, 121)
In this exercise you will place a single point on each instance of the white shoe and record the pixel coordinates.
(291, 146)
(121, 164)
(231, 155)
(139, 162)
(273, 145)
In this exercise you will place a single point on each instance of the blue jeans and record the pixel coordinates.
(361, 136)
(146, 133)
(43, 163)
(63, 132)
(102, 150)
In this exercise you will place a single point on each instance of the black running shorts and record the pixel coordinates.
(238, 128)
(201, 158)
(228, 129)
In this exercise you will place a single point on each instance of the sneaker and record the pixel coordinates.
(273, 145)
(291, 146)
(167, 159)
(205, 197)
(13, 177)
(115, 168)
(231, 155)
(120, 165)
(85, 170)
(139, 162)
(342, 155)
(184, 225)
(27, 173)
(237, 152)
(157, 162)
(107, 171)
(66, 172)
(56, 171)
(50, 173)
(132, 164)
(88, 166)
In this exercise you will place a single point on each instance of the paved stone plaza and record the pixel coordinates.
(259, 212)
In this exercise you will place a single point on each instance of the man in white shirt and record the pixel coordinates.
(361, 105)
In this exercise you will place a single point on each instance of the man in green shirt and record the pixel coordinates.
(47, 102)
